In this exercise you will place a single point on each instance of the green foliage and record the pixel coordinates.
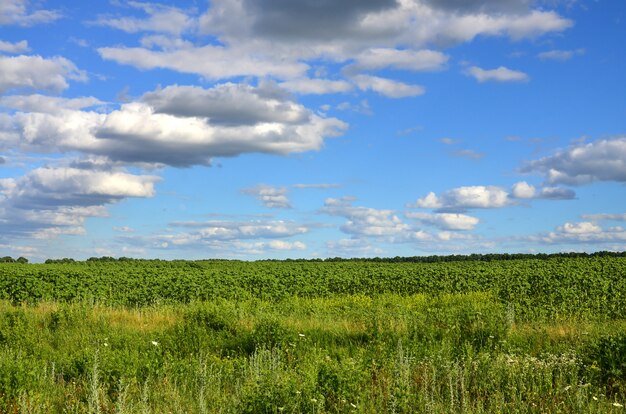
(584, 287)
(606, 361)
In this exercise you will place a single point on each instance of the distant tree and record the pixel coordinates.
(22, 260)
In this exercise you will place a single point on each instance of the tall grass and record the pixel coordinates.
(389, 354)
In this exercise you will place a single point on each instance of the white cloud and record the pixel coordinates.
(269, 39)
(501, 74)
(404, 59)
(449, 141)
(179, 126)
(36, 72)
(271, 197)
(47, 104)
(469, 154)
(582, 233)
(561, 55)
(445, 221)
(51, 201)
(364, 221)
(161, 18)
(211, 62)
(240, 230)
(351, 248)
(605, 216)
(387, 87)
(317, 86)
(523, 190)
(603, 160)
(584, 227)
(16, 12)
(465, 198)
(18, 47)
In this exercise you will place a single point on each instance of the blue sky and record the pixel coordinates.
(297, 128)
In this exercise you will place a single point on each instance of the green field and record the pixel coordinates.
(534, 334)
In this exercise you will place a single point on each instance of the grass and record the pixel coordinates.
(345, 354)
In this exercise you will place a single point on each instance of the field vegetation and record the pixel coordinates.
(472, 335)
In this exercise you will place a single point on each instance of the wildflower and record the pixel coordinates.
(313, 400)
(155, 343)
(567, 388)
(595, 398)
(352, 405)
(105, 344)
(616, 404)
(301, 335)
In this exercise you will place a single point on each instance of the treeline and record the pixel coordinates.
(489, 257)
(9, 259)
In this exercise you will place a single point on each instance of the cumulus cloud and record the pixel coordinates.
(364, 221)
(18, 47)
(445, 221)
(55, 200)
(280, 39)
(317, 86)
(582, 233)
(500, 74)
(160, 18)
(211, 62)
(462, 198)
(351, 248)
(271, 197)
(18, 12)
(523, 190)
(240, 230)
(403, 59)
(387, 87)
(47, 104)
(180, 126)
(38, 73)
(602, 160)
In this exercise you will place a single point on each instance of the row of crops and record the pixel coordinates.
(534, 289)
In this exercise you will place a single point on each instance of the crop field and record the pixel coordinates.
(523, 335)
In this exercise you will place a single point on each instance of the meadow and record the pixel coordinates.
(466, 335)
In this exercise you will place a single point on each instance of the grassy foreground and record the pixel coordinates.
(390, 353)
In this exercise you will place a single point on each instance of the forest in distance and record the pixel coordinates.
(440, 334)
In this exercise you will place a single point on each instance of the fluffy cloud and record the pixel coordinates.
(16, 12)
(8, 47)
(317, 86)
(603, 160)
(240, 230)
(50, 201)
(211, 62)
(271, 197)
(281, 39)
(582, 232)
(523, 190)
(387, 87)
(500, 74)
(364, 221)
(46, 104)
(465, 198)
(179, 126)
(445, 221)
(36, 72)
(413, 60)
(161, 18)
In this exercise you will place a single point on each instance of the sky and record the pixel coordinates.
(255, 129)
